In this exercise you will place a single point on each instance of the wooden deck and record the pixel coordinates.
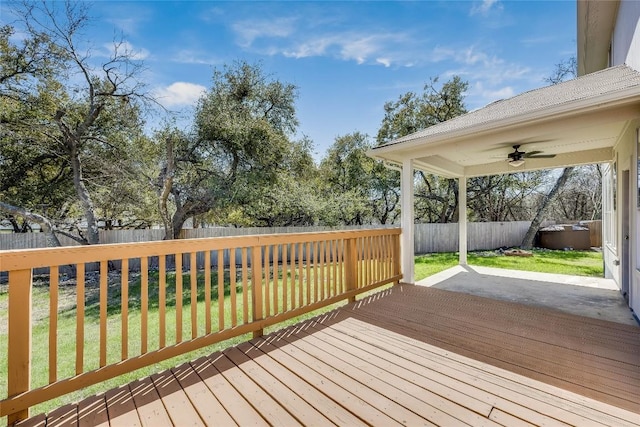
(409, 355)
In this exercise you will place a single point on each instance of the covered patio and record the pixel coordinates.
(594, 297)
(577, 122)
(409, 355)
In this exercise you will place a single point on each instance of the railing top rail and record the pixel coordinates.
(22, 259)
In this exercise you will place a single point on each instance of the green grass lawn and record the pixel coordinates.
(578, 263)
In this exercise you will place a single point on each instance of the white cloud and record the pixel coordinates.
(362, 47)
(384, 49)
(384, 61)
(484, 7)
(476, 64)
(314, 47)
(195, 57)
(179, 94)
(250, 30)
(292, 37)
(492, 95)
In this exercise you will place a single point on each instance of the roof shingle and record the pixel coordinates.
(608, 81)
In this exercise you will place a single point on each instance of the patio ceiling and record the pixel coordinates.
(580, 121)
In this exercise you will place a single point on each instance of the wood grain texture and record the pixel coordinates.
(406, 355)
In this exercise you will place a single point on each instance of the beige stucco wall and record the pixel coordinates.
(625, 44)
(626, 160)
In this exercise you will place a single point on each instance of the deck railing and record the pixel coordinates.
(220, 288)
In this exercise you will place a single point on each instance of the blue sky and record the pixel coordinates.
(347, 58)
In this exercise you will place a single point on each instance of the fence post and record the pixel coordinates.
(351, 266)
(256, 286)
(19, 361)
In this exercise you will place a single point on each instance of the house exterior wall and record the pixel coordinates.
(625, 43)
(609, 223)
(621, 216)
(634, 299)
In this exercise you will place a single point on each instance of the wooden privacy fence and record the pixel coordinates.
(271, 278)
(430, 238)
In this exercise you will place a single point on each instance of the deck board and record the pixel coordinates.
(329, 408)
(234, 403)
(175, 400)
(92, 412)
(559, 365)
(205, 403)
(409, 355)
(421, 399)
(348, 399)
(150, 409)
(299, 408)
(121, 408)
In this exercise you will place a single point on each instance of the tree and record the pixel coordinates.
(508, 197)
(290, 199)
(581, 196)
(384, 194)
(436, 197)
(527, 241)
(241, 133)
(563, 70)
(413, 112)
(83, 110)
(346, 175)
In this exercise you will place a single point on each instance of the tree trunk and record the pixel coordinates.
(93, 238)
(166, 185)
(179, 218)
(45, 224)
(527, 242)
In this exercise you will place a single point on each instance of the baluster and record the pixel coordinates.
(193, 270)
(103, 312)
(162, 299)
(54, 282)
(19, 340)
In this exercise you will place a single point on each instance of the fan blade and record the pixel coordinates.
(539, 156)
(522, 143)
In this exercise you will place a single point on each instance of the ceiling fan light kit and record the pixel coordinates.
(516, 158)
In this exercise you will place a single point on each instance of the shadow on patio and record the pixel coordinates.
(594, 297)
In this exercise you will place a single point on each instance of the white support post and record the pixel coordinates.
(407, 221)
(462, 220)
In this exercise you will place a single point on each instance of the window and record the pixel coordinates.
(608, 213)
(637, 171)
(614, 186)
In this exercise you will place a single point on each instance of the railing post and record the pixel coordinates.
(396, 256)
(19, 361)
(256, 286)
(351, 266)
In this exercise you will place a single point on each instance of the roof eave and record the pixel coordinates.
(611, 99)
(595, 24)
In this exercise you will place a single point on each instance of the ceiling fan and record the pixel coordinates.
(517, 157)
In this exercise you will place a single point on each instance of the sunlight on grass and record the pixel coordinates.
(577, 263)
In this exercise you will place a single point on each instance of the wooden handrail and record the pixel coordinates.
(280, 277)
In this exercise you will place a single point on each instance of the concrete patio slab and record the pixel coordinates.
(585, 296)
